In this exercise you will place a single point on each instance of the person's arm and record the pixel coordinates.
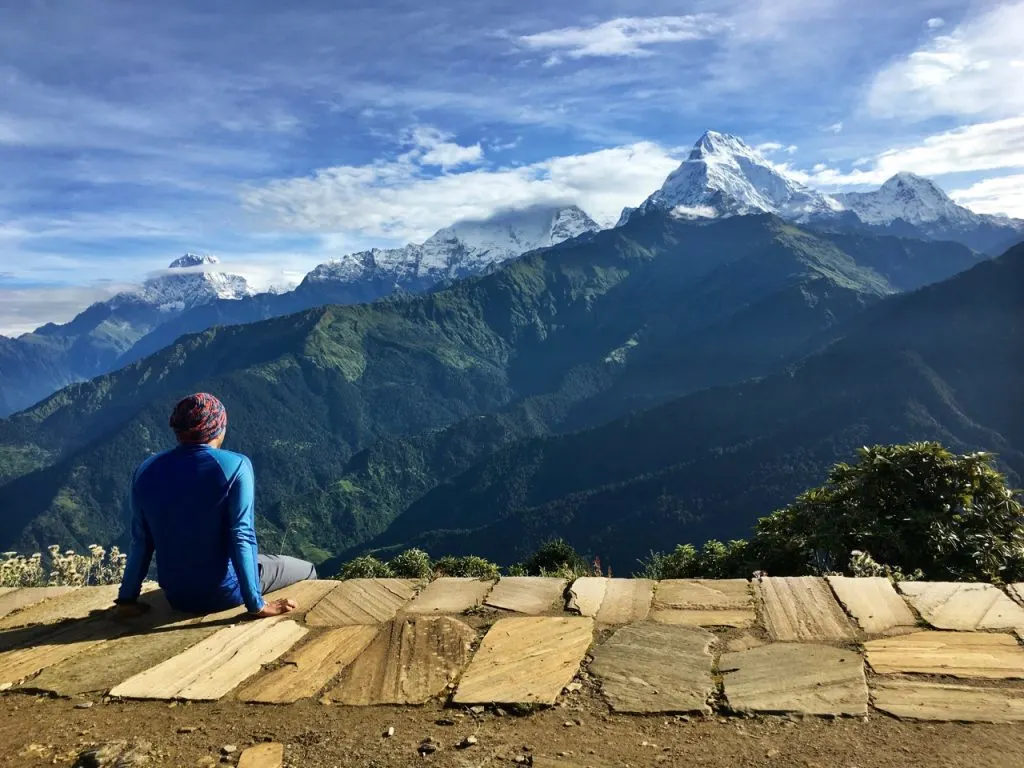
(242, 536)
(140, 551)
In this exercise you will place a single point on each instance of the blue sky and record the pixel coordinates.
(277, 135)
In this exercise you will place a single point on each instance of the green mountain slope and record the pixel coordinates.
(544, 344)
(944, 363)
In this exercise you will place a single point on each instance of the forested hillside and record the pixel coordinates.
(945, 363)
(340, 407)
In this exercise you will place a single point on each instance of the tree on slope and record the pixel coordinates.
(915, 506)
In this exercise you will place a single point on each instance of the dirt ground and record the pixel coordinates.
(37, 731)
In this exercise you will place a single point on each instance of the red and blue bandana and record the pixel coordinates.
(199, 418)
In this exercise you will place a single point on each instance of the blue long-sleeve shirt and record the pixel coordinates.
(193, 507)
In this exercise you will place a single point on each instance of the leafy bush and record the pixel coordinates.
(468, 565)
(863, 564)
(411, 564)
(365, 567)
(556, 557)
(915, 507)
(714, 560)
(63, 568)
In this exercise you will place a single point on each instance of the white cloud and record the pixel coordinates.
(972, 70)
(835, 127)
(433, 147)
(979, 147)
(1000, 195)
(935, 23)
(23, 309)
(774, 146)
(629, 36)
(397, 200)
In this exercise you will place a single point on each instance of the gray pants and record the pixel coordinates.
(280, 571)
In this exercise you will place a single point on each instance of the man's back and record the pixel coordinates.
(194, 502)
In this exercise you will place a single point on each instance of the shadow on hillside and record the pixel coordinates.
(105, 625)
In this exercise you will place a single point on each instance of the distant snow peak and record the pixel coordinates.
(192, 260)
(464, 248)
(724, 176)
(909, 197)
(183, 285)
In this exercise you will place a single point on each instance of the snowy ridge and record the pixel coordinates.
(916, 200)
(723, 176)
(188, 282)
(465, 248)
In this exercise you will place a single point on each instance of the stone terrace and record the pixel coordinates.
(799, 646)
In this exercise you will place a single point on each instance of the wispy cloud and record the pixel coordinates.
(1000, 195)
(434, 147)
(630, 36)
(935, 23)
(399, 200)
(975, 69)
(770, 147)
(835, 127)
(989, 146)
(24, 309)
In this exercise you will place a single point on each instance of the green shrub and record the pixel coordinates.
(365, 567)
(556, 557)
(714, 560)
(915, 507)
(411, 564)
(64, 569)
(468, 565)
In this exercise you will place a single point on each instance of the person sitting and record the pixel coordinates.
(192, 506)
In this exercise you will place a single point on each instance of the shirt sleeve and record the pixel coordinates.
(140, 550)
(242, 535)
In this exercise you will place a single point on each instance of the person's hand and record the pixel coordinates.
(130, 610)
(275, 608)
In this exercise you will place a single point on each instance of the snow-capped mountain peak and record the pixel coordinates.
(193, 260)
(912, 198)
(187, 283)
(724, 176)
(464, 248)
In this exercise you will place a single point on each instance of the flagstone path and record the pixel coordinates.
(779, 645)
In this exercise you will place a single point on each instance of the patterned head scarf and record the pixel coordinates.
(199, 418)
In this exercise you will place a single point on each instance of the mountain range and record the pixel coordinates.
(671, 378)
(191, 296)
(352, 413)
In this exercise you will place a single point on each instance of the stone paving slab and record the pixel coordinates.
(5, 590)
(922, 700)
(450, 595)
(530, 595)
(963, 607)
(586, 595)
(23, 597)
(305, 593)
(53, 647)
(102, 667)
(655, 668)
(873, 603)
(611, 601)
(802, 609)
(703, 603)
(795, 677)
(214, 666)
(411, 660)
(311, 666)
(1017, 591)
(76, 604)
(526, 660)
(957, 654)
(269, 755)
(361, 601)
